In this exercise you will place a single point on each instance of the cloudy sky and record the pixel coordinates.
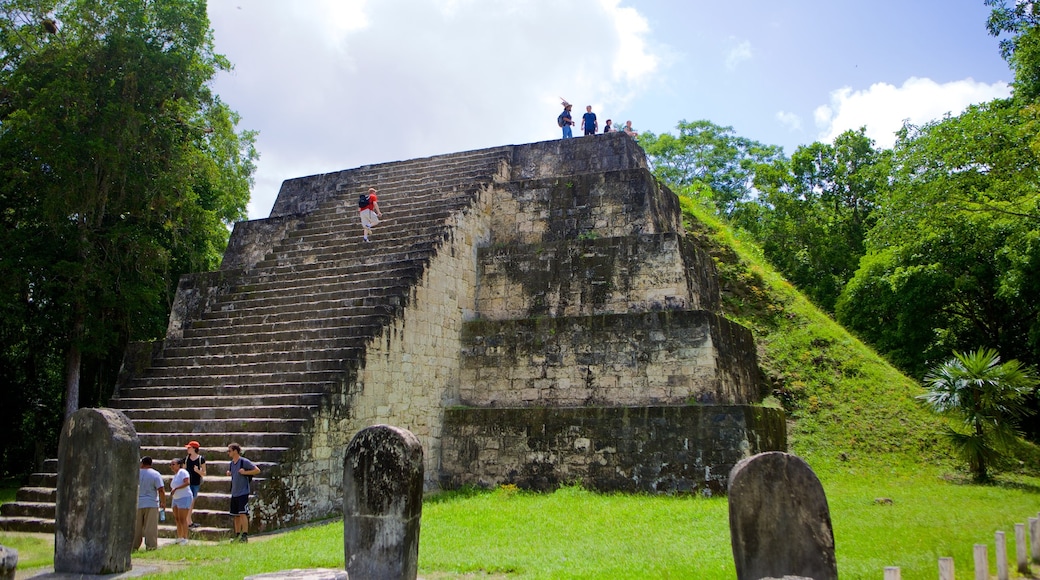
(336, 84)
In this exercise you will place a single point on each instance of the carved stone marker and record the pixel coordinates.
(8, 562)
(382, 503)
(98, 462)
(779, 521)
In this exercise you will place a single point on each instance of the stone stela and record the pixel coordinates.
(535, 314)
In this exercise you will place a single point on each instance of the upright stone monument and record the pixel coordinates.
(382, 503)
(779, 521)
(98, 462)
(8, 563)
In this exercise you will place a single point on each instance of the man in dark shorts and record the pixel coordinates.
(241, 471)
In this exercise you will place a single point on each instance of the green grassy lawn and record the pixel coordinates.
(573, 533)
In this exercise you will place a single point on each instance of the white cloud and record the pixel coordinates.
(883, 107)
(738, 54)
(333, 85)
(789, 120)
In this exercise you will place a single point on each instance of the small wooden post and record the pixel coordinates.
(946, 569)
(1020, 549)
(1002, 561)
(981, 562)
(892, 573)
(1034, 539)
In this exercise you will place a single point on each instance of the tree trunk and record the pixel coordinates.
(72, 368)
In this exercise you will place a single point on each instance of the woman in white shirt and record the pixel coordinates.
(181, 498)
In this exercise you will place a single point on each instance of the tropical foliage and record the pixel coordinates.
(984, 396)
(119, 170)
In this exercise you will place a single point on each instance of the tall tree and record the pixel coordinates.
(812, 213)
(707, 157)
(119, 170)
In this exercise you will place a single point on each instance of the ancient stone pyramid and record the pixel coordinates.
(535, 314)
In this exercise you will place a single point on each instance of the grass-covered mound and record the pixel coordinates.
(845, 403)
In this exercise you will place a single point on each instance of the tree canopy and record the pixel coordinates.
(119, 171)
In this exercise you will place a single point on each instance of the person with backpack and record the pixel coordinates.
(241, 471)
(565, 121)
(368, 207)
(196, 466)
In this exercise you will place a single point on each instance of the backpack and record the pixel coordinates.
(559, 120)
(362, 201)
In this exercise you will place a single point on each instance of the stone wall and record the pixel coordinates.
(592, 276)
(652, 358)
(569, 207)
(673, 449)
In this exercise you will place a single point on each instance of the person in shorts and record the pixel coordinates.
(370, 213)
(242, 472)
(196, 466)
(181, 498)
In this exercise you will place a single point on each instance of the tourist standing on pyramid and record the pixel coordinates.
(629, 130)
(589, 122)
(368, 206)
(565, 120)
(196, 466)
(608, 128)
(241, 471)
(151, 497)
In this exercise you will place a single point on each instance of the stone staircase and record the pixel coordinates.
(253, 362)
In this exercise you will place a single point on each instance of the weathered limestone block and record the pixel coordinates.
(650, 358)
(672, 449)
(604, 205)
(195, 293)
(560, 158)
(98, 463)
(8, 562)
(594, 276)
(779, 521)
(251, 240)
(382, 503)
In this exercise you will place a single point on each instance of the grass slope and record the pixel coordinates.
(845, 403)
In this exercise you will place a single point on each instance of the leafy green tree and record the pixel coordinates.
(812, 213)
(706, 156)
(985, 396)
(953, 258)
(119, 171)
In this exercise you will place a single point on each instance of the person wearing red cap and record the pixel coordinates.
(196, 466)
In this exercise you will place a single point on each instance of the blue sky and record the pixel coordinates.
(336, 84)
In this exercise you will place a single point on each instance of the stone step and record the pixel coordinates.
(355, 323)
(308, 278)
(247, 322)
(349, 296)
(35, 494)
(215, 404)
(345, 270)
(212, 357)
(214, 449)
(363, 257)
(175, 423)
(298, 339)
(224, 346)
(26, 524)
(44, 479)
(254, 440)
(28, 510)
(240, 385)
(221, 412)
(232, 369)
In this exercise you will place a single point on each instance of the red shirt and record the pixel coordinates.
(372, 199)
